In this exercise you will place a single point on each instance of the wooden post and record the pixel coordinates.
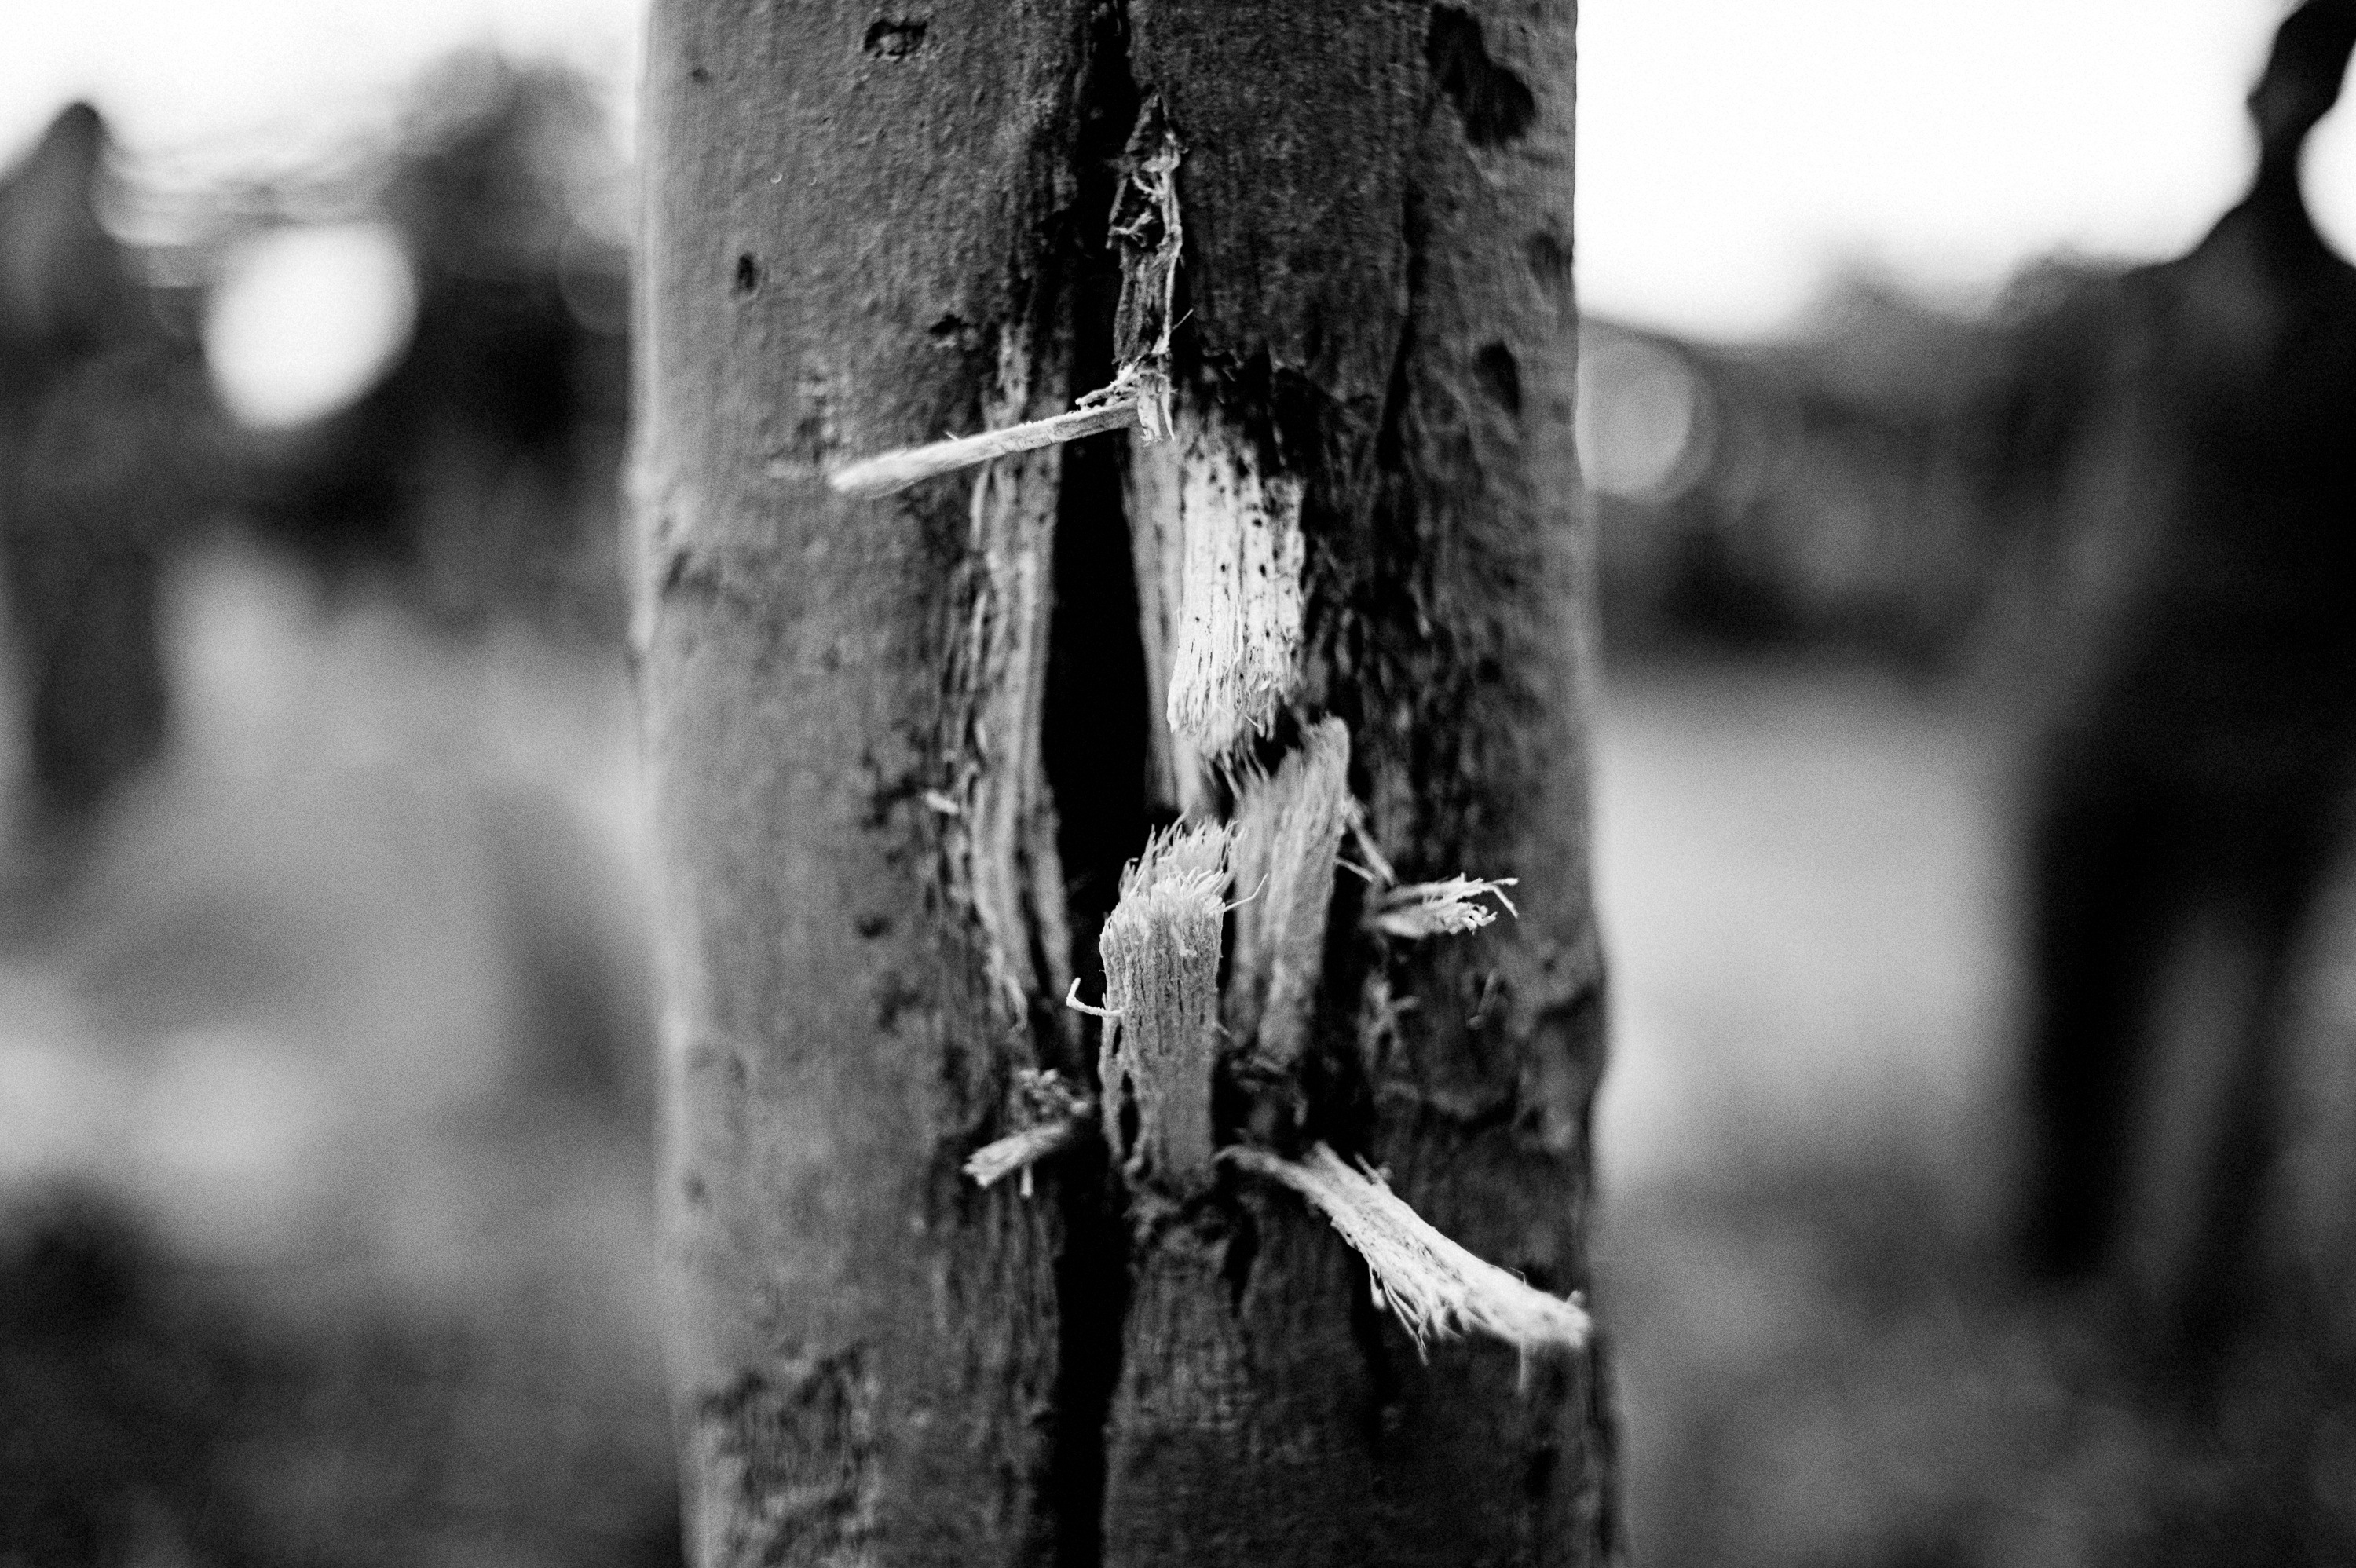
(901, 748)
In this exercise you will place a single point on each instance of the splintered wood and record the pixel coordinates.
(896, 469)
(999, 833)
(996, 1161)
(1216, 531)
(1217, 534)
(1219, 554)
(1049, 1114)
(1288, 827)
(1432, 1286)
(1239, 589)
(1160, 952)
(1148, 231)
(1440, 909)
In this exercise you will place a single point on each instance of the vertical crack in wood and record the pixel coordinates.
(1094, 741)
(1157, 546)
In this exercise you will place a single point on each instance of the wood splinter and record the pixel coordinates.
(1442, 909)
(1138, 399)
(1432, 1286)
(1148, 227)
(1019, 1151)
(1160, 952)
(1053, 1113)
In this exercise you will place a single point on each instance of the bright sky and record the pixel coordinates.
(197, 75)
(1732, 152)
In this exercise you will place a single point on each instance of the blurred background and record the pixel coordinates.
(324, 1099)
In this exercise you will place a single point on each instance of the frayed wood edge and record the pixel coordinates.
(1185, 857)
(1240, 602)
(1160, 948)
(1442, 909)
(1433, 1287)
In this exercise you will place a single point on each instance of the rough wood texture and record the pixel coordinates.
(843, 247)
(866, 230)
(1379, 199)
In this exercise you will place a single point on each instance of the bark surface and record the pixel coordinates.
(901, 748)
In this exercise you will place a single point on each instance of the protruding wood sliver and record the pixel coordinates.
(1019, 1151)
(1444, 908)
(1432, 1286)
(887, 472)
(1050, 1114)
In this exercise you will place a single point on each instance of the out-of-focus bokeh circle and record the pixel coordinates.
(306, 319)
(1641, 421)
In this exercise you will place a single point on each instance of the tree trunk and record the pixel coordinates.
(902, 748)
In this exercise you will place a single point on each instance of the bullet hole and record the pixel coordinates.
(1500, 377)
(698, 75)
(748, 274)
(889, 39)
(1549, 259)
(873, 926)
(1494, 103)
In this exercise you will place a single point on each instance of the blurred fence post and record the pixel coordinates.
(900, 748)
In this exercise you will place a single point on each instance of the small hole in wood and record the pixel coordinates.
(891, 38)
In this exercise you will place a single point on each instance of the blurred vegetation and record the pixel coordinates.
(2000, 660)
(324, 1039)
(1850, 488)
